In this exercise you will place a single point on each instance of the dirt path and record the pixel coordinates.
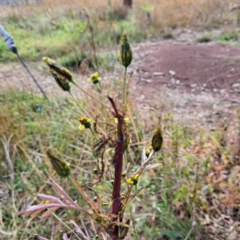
(196, 80)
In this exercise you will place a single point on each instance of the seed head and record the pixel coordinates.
(125, 51)
(148, 151)
(123, 230)
(60, 166)
(157, 139)
(62, 75)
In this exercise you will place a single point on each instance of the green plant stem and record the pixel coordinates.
(75, 99)
(74, 185)
(93, 133)
(124, 102)
(90, 95)
(99, 88)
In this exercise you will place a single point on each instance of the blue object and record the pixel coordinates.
(8, 39)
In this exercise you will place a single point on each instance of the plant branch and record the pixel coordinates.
(118, 165)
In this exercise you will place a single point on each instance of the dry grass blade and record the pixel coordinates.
(6, 146)
(78, 229)
(60, 190)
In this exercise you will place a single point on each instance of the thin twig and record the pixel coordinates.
(190, 231)
(60, 220)
(92, 40)
(6, 145)
(25, 66)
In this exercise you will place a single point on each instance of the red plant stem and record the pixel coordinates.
(118, 164)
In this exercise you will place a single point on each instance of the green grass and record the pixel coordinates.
(64, 37)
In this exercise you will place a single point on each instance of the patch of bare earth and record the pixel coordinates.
(197, 80)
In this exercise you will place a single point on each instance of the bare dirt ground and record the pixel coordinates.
(195, 81)
(200, 81)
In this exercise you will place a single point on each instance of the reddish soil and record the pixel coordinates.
(192, 68)
(194, 81)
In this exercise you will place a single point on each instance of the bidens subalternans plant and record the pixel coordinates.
(113, 218)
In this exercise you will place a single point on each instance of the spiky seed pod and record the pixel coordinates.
(123, 230)
(62, 75)
(60, 166)
(125, 52)
(64, 85)
(157, 139)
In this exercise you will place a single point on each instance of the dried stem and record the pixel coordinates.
(92, 40)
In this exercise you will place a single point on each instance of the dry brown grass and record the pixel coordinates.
(171, 13)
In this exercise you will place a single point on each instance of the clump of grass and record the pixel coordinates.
(228, 36)
(204, 39)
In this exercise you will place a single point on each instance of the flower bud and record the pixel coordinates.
(125, 52)
(148, 151)
(60, 166)
(123, 230)
(62, 75)
(157, 139)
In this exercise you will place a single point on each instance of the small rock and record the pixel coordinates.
(158, 74)
(172, 81)
(223, 91)
(141, 98)
(177, 81)
(193, 85)
(235, 85)
(204, 85)
(215, 90)
(145, 80)
(172, 72)
(129, 71)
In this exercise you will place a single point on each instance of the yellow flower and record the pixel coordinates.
(148, 151)
(80, 104)
(126, 120)
(44, 202)
(94, 78)
(133, 180)
(84, 123)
